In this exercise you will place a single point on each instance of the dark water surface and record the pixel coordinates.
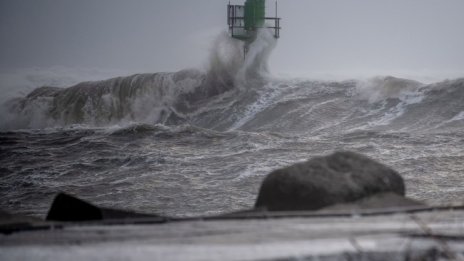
(191, 143)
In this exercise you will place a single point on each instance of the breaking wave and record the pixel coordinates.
(236, 93)
(199, 142)
(142, 98)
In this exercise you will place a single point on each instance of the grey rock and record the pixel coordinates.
(324, 181)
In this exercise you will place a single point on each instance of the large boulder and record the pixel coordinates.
(324, 181)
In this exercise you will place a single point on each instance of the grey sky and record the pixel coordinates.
(324, 36)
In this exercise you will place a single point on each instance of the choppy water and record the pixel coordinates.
(195, 143)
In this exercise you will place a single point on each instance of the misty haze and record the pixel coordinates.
(231, 130)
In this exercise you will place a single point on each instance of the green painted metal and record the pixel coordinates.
(255, 11)
(245, 20)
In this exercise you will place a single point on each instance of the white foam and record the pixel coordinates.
(266, 97)
(406, 99)
(381, 88)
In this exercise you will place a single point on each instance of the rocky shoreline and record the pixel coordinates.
(342, 181)
(343, 206)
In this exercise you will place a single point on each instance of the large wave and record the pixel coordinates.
(237, 93)
(146, 98)
(381, 103)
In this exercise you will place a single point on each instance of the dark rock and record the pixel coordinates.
(323, 181)
(69, 208)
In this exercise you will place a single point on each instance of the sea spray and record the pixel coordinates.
(225, 58)
(248, 73)
(257, 57)
(164, 98)
(228, 59)
(380, 88)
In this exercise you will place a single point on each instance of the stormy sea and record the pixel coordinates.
(199, 142)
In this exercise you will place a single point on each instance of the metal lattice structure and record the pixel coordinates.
(245, 20)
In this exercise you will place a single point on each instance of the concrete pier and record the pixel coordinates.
(410, 234)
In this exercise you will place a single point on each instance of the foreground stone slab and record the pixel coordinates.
(414, 234)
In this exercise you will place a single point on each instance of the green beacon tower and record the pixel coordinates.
(245, 20)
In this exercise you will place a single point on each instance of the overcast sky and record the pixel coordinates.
(348, 37)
